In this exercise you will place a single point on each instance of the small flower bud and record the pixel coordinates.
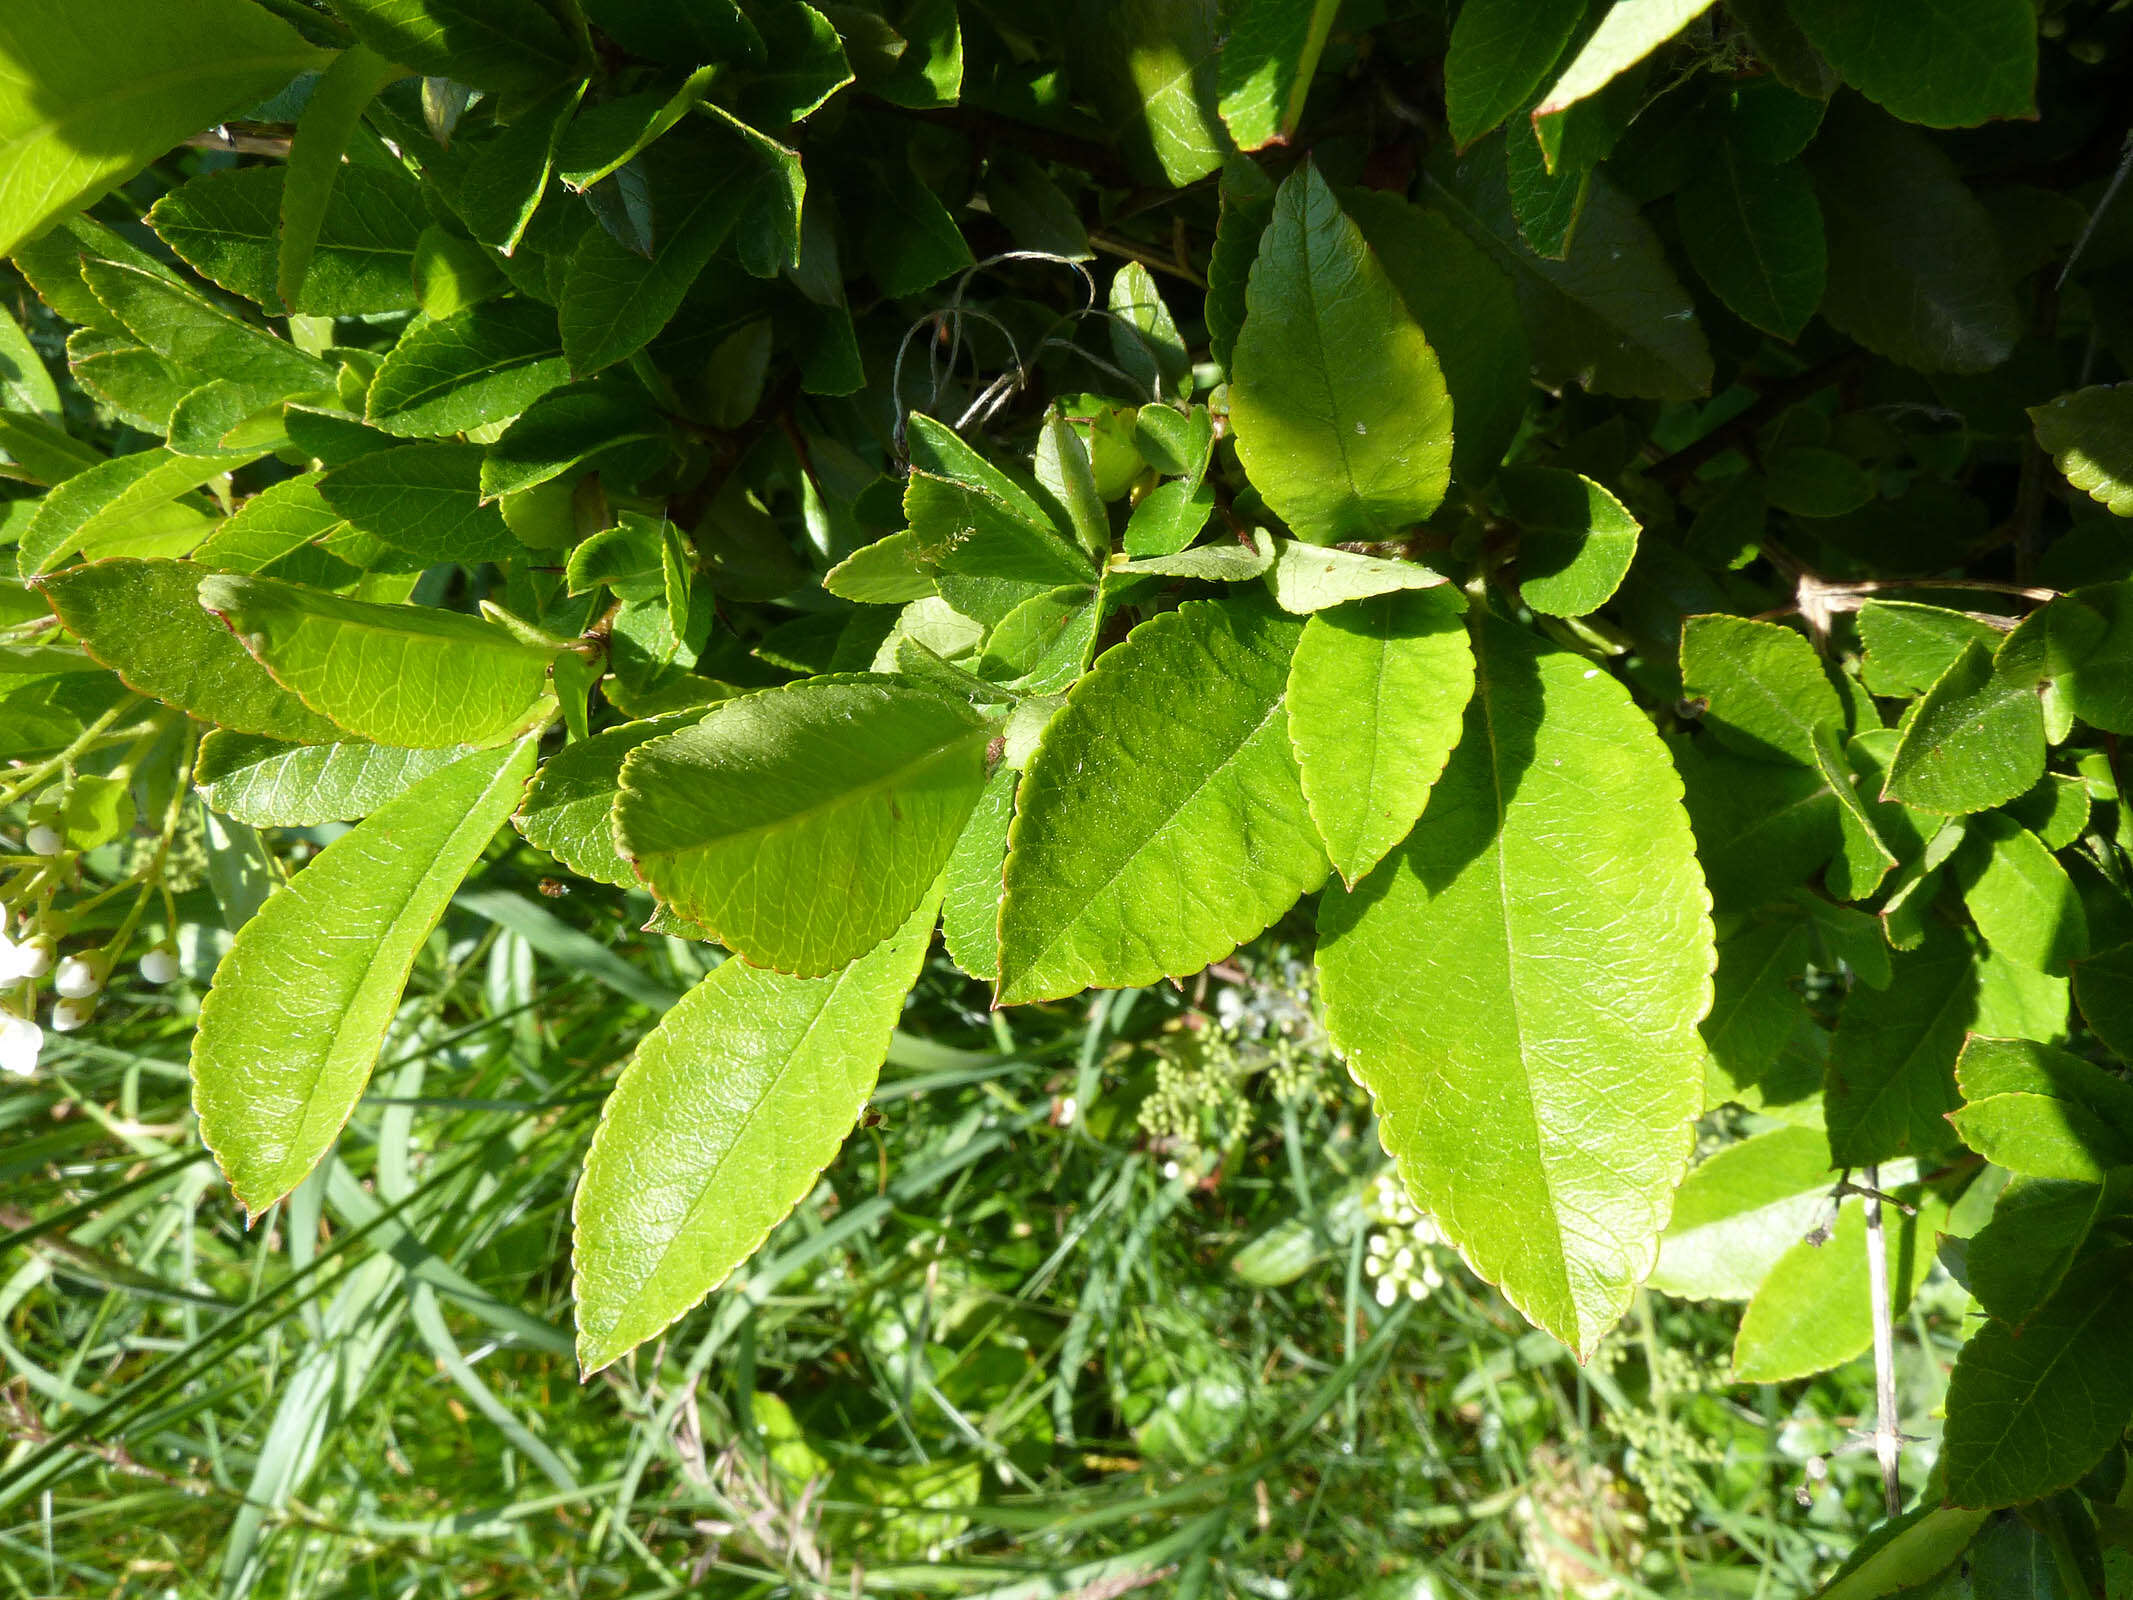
(44, 839)
(35, 955)
(20, 1041)
(79, 977)
(70, 1014)
(159, 965)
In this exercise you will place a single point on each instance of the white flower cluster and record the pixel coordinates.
(1401, 1252)
(77, 981)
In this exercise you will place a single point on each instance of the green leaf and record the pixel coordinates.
(1168, 518)
(1914, 266)
(1270, 49)
(1814, 1311)
(972, 880)
(1307, 578)
(1755, 1006)
(195, 335)
(2088, 655)
(1739, 1211)
(1219, 561)
(1377, 694)
(2103, 986)
(1975, 740)
(1764, 689)
(1160, 822)
(301, 1003)
(1945, 63)
(969, 517)
(1761, 828)
(329, 120)
(569, 808)
(278, 532)
(1908, 646)
(1863, 856)
(888, 572)
(614, 300)
(404, 675)
(2056, 810)
(1753, 231)
(25, 386)
(1247, 206)
(1144, 339)
(604, 137)
(2029, 1412)
(41, 451)
(1341, 414)
(1063, 469)
(805, 65)
(480, 366)
(800, 825)
(1546, 200)
(1153, 65)
(142, 620)
(1530, 1041)
(506, 177)
(611, 428)
(1576, 540)
(510, 47)
(87, 99)
(2023, 1254)
(1466, 307)
(1044, 644)
(2037, 1136)
(270, 783)
(1631, 30)
(2089, 435)
(1998, 1066)
(720, 1125)
(1500, 51)
(2020, 897)
(1904, 1553)
(1610, 316)
(128, 505)
(424, 499)
(1892, 1060)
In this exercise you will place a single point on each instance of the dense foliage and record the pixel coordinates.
(1606, 527)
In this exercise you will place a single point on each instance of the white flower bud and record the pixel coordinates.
(159, 965)
(35, 955)
(79, 977)
(1388, 1291)
(20, 1041)
(44, 839)
(68, 1015)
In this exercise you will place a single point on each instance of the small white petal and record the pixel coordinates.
(79, 977)
(160, 965)
(71, 1014)
(20, 1042)
(45, 840)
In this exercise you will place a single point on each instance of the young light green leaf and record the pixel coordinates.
(1044, 644)
(1341, 414)
(2040, 1136)
(1500, 51)
(1168, 518)
(1814, 1311)
(972, 881)
(1863, 857)
(1306, 578)
(1377, 695)
(800, 825)
(1914, 265)
(2030, 1411)
(406, 675)
(329, 120)
(720, 1125)
(129, 505)
(2020, 897)
(142, 619)
(424, 499)
(87, 99)
(2089, 435)
(1739, 1212)
(1631, 30)
(1524, 1010)
(1975, 740)
(270, 783)
(1144, 339)
(1576, 540)
(888, 572)
(1247, 206)
(1945, 65)
(1270, 49)
(1160, 822)
(1466, 306)
(1764, 690)
(300, 1005)
(26, 388)
(197, 336)
(569, 807)
(1904, 1553)
(1218, 561)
